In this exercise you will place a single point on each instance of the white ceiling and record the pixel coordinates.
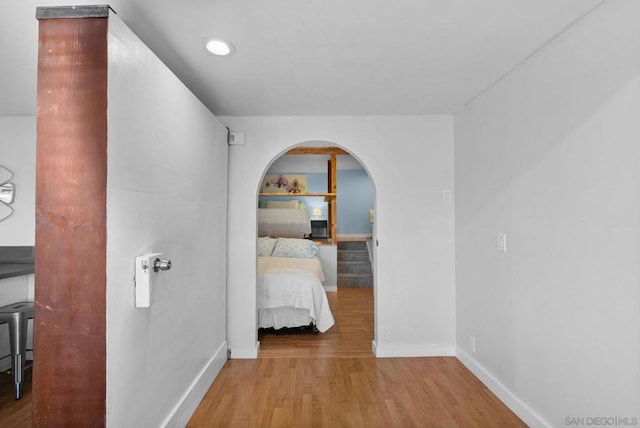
(315, 57)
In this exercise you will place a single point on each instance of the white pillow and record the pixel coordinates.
(292, 247)
(266, 245)
(293, 203)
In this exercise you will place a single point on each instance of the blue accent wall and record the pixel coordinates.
(355, 199)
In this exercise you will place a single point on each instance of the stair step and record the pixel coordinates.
(352, 245)
(362, 267)
(354, 266)
(353, 255)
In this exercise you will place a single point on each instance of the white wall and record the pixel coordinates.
(167, 191)
(551, 156)
(18, 153)
(410, 161)
(328, 256)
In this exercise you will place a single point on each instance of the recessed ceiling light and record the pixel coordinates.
(220, 47)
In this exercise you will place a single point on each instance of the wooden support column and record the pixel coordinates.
(333, 163)
(69, 373)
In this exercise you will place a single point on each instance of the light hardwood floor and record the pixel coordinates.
(15, 413)
(333, 380)
(329, 380)
(350, 336)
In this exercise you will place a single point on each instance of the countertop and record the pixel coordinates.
(9, 270)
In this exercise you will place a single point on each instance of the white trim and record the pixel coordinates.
(504, 394)
(354, 237)
(245, 353)
(330, 288)
(190, 400)
(370, 249)
(412, 350)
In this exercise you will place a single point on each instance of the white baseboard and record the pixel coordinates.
(411, 350)
(330, 288)
(503, 393)
(189, 402)
(245, 353)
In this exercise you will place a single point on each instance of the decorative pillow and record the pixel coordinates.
(292, 247)
(266, 245)
(293, 203)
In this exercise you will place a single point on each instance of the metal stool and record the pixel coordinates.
(17, 316)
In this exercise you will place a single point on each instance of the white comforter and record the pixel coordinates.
(295, 284)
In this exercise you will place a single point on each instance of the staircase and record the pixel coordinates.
(354, 267)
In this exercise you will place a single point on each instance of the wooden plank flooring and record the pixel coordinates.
(350, 336)
(15, 413)
(329, 380)
(333, 380)
(350, 392)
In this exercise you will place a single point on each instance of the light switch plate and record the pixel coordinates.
(236, 138)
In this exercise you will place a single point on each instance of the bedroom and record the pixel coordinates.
(294, 189)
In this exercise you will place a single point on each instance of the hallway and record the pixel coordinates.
(333, 380)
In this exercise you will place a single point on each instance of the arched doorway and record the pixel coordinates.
(338, 193)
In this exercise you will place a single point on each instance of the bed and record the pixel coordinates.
(284, 222)
(287, 219)
(290, 293)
